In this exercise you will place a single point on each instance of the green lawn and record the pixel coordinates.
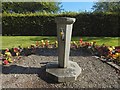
(24, 41)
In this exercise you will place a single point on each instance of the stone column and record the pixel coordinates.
(63, 70)
(64, 31)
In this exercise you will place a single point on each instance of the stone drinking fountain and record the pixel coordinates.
(63, 70)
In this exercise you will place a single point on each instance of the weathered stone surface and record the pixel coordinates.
(64, 20)
(63, 74)
(64, 25)
(63, 70)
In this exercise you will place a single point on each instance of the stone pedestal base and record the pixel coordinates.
(63, 74)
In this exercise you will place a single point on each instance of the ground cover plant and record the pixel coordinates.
(106, 48)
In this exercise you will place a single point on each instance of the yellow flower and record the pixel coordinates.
(7, 53)
(110, 48)
(10, 60)
(113, 47)
(42, 41)
(91, 43)
(17, 54)
(116, 56)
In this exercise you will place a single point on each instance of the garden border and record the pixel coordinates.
(109, 63)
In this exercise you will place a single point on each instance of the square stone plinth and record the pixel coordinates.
(63, 74)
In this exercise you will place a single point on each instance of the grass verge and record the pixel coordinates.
(24, 41)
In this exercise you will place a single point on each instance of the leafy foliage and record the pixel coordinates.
(23, 7)
(107, 7)
(44, 24)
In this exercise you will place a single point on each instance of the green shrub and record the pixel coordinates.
(87, 24)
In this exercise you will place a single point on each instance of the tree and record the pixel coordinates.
(23, 7)
(106, 7)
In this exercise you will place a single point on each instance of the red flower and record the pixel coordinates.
(15, 49)
(5, 62)
(81, 41)
(7, 50)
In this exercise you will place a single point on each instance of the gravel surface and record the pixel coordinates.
(29, 72)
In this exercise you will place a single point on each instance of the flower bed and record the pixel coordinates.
(106, 53)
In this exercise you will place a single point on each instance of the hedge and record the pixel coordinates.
(44, 24)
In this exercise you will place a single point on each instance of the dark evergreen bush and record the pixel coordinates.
(85, 25)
